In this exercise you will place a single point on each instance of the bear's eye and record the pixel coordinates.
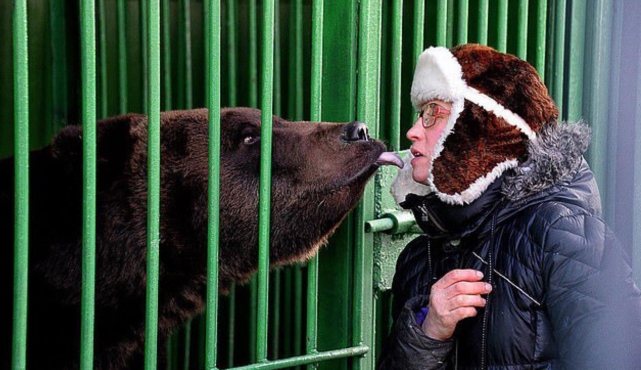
(251, 139)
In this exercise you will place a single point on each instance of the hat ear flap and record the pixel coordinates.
(438, 75)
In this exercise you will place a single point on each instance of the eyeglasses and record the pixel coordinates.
(431, 113)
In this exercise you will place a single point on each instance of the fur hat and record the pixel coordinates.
(499, 103)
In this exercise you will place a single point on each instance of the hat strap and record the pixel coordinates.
(491, 105)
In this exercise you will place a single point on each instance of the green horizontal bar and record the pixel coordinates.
(381, 224)
(21, 148)
(307, 359)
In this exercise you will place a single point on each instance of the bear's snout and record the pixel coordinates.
(356, 131)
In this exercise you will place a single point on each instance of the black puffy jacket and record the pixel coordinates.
(563, 294)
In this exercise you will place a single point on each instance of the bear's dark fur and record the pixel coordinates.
(317, 178)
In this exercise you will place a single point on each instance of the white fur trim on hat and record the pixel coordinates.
(438, 75)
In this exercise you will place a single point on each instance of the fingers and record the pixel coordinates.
(461, 301)
(463, 312)
(464, 287)
(455, 276)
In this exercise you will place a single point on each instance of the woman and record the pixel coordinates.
(515, 269)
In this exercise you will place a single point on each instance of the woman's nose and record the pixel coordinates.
(414, 132)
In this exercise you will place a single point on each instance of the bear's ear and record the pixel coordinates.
(67, 144)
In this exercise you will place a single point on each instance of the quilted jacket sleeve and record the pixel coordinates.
(407, 347)
(594, 306)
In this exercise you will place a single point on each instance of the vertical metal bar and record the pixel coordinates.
(153, 197)
(88, 47)
(397, 51)
(21, 212)
(576, 59)
(419, 24)
(166, 53)
(596, 105)
(502, 26)
(145, 57)
(367, 111)
(122, 57)
(104, 100)
(277, 111)
(450, 24)
(276, 319)
(298, 58)
(484, 11)
(186, 15)
(265, 178)
(231, 50)
(187, 345)
(521, 41)
(541, 27)
(253, 58)
(60, 96)
(213, 104)
(463, 14)
(441, 22)
(559, 55)
(232, 322)
(298, 309)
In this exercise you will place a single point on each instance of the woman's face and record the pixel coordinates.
(424, 134)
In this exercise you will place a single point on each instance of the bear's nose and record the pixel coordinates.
(356, 131)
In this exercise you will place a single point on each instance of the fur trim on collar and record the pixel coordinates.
(553, 158)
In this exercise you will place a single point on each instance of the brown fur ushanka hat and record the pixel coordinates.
(499, 103)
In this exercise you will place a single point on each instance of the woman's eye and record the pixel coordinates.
(250, 139)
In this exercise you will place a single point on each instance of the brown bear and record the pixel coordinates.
(319, 171)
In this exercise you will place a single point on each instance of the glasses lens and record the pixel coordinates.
(428, 116)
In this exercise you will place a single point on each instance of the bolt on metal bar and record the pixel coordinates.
(576, 60)
(166, 53)
(122, 57)
(306, 359)
(265, 178)
(88, 64)
(21, 211)
(483, 21)
(541, 28)
(397, 56)
(502, 26)
(213, 28)
(153, 197)
(463, 14)
(367, 111)
(441, 22)
(419, 22)
(559, 55)
(316, 110)
(522, 19)
(104, 83)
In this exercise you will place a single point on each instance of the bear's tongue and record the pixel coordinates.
(389, 158)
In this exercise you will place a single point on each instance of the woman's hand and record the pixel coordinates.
(453, 298)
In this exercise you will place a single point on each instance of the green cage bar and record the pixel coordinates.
(521, 40)
(541, 29)
(502, 26)
(213, 104)
(483, 21)
(21, 152)
(166, 54)
(60, 95)
(88, 50)
(122, 57)
(104, 82)
(559, 55)
(316, 109)
(298, 309)
(144, 46)
(253, 102)
(450, 24)
(441, 22)
(367, 111)
(575, 60)
(188, 86)
(265, 178)
(278, 103)
(153, 197)
(397, 50)
(419, 30)
(463, 15)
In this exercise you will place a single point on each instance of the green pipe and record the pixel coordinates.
(104, 82)
(397, 56)
(502, 26)
(232, 326)
(265, 178)
(316, 110)
(541, 27)
(306, 359)
(367, 111)
(88, 50)
(419, 27)
(298, 50)
(231, 50)
(153, 197)
(441, 22)
(463, 14)
(189, 84)
(395, 222)
(122, 57)
(145, 58)
(166, 54)
(277, 67)
(450, 24)
(213, 231)
(59, 65)
(298, 309)
(276, 320)
(21, 212)
(253, 316)
(559, 55)
(187, 345)
(287, 312)
(576, 60)
(522, 19)
(483, 22)
(253, 57)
